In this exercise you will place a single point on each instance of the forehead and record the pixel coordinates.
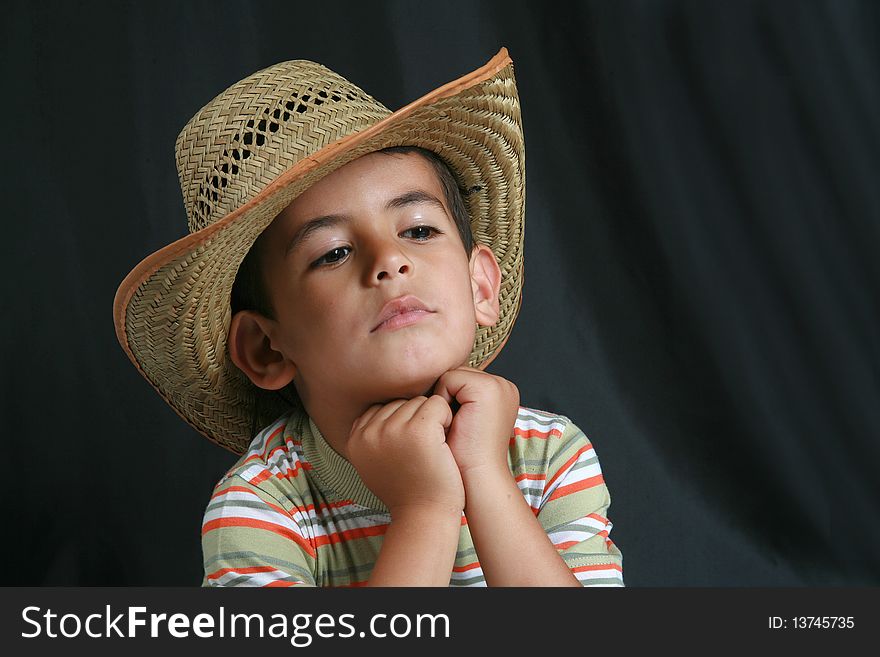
(360, 188)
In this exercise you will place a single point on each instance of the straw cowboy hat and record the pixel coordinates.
(251, 151)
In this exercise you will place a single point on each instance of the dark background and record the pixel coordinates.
(701, 295)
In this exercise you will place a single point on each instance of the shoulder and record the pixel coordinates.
(541, 432)
(548, 447)
(273, 464)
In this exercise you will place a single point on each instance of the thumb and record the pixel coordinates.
(439, 409)
(451, 402)
(447, 417)
(451, 384)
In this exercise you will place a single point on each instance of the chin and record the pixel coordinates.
(410, 388)
(413, 381)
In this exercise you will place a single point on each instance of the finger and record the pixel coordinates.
(435, 408)
(431, 409)
(365, 417)
(458, 384)
(406, 411)
(378, 412)
(437, 404)
(389, 409)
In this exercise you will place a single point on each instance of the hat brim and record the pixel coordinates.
(172, 311)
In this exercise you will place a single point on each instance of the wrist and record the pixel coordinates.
(478, 478)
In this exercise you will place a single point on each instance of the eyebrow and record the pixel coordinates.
(314, 225)
(412, 197)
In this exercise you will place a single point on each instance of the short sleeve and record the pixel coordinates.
(250, 539)
(573, 510)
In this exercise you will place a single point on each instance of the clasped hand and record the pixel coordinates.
(415, 452)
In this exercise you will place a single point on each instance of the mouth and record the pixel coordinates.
(400, 312)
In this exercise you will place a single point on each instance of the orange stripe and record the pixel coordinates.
(265, 446)
(280, 582)
(232, 488)
(535, 477)
(349, 534)
(259, 524)
(568, 544)
(266, 457)
(272, 435)
(470, 566)
(291, 473)
(564, 468)
(321, 507)
(257, 456)
(248, 569)
(260, 478)
(596, 516)
(242, 489)
(536, 433)
(562, 491)
(607, 566)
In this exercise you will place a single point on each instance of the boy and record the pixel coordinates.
(332, 287)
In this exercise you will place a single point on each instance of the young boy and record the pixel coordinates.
(337, 282)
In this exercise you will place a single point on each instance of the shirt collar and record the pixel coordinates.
(333, 471)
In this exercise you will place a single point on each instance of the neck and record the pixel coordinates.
(335, 426)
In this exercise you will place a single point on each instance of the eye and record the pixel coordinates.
(330, 257)
(421, 233)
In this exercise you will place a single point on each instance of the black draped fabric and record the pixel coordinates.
(701, 296)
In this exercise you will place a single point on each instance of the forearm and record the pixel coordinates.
(418, 549)
(511, 544)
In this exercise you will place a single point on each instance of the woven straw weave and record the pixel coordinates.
(252, 150)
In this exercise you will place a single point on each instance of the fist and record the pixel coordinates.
(481, 429)
(399, 449)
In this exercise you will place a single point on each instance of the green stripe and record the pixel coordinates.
(228, 559)
(562, 454)
(603, 580)
(521, 465)
(572, 526)
(543, 421)
(583, 464)
(589, 559)
(349, 574)
(461, 554)
(470, 581)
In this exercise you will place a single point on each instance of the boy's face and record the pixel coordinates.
(373, 292)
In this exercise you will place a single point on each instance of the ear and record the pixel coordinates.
(250, 348)
(486, 284)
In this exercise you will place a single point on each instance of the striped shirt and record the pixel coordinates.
(292, 511)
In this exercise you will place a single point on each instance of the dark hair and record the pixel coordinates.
(249, 290)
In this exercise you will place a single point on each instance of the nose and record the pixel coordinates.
(389, 262)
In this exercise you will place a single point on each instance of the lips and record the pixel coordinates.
(401, 311)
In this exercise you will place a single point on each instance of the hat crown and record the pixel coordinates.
(260, 127)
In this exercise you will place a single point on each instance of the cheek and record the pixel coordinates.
(317, 303)
(460, 300)
(311, 320)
